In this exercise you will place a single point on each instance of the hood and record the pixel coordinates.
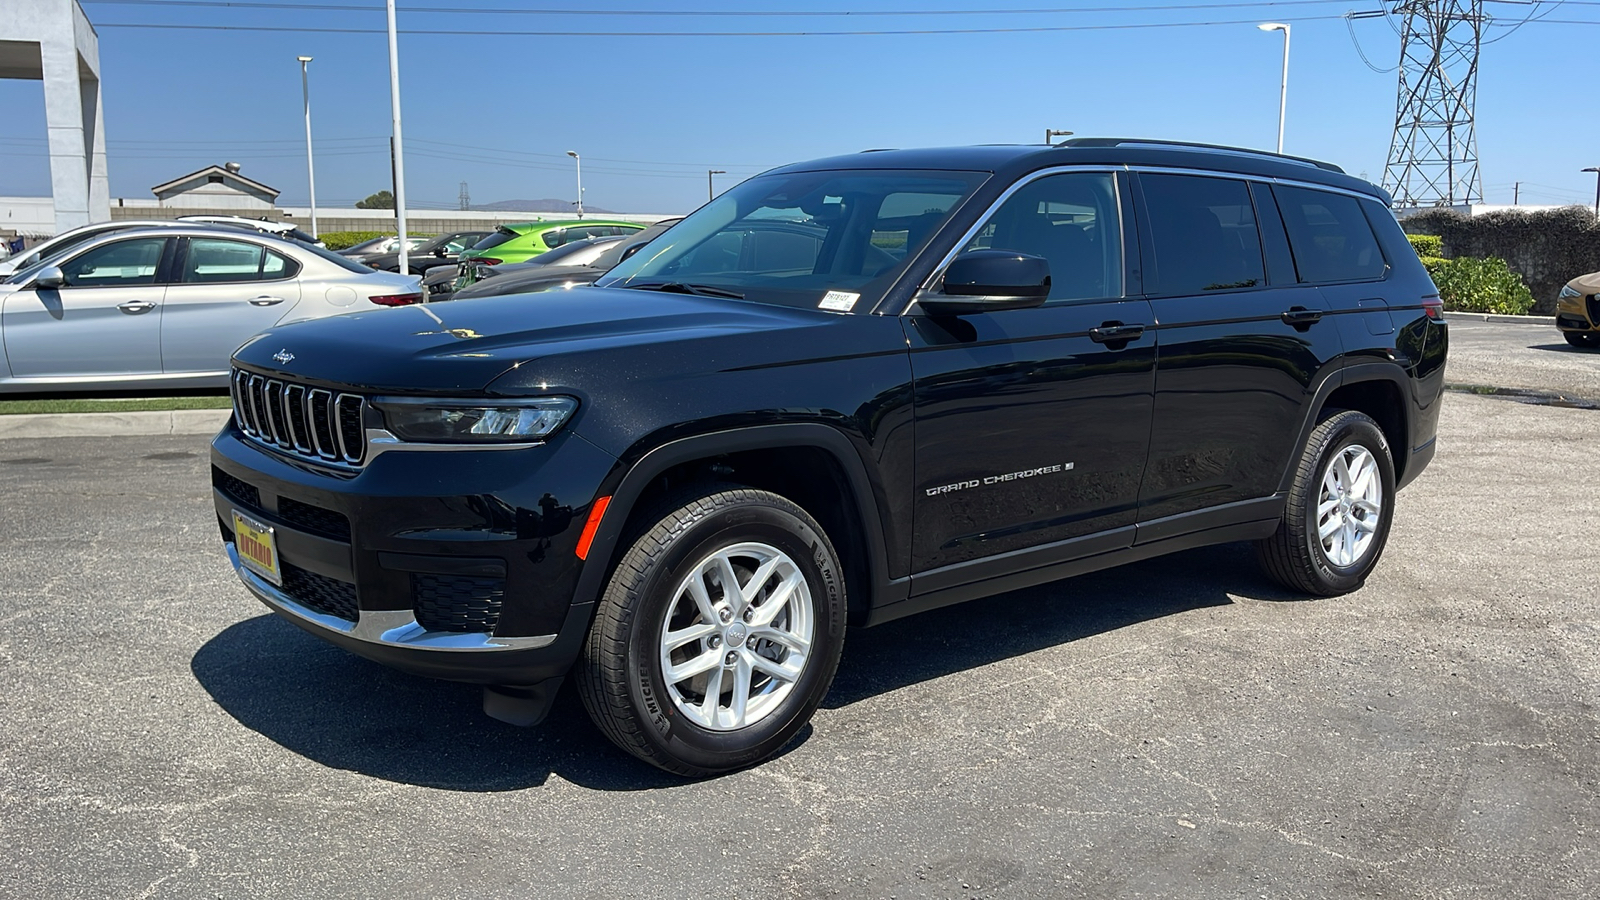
(542, 278)
(1588, 284)
(460, 348)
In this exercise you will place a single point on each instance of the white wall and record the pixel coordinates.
(28, 215)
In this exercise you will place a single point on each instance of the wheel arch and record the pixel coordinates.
(1377, 389)
(765, 457)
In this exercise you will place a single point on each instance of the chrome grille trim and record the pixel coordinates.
(301, 421)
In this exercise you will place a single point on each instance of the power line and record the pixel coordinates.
(479, 33)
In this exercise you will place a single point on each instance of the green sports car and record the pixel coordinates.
(522, 241)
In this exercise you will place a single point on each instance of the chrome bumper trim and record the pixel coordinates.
(394, 627)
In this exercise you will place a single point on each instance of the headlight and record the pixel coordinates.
(475, 421)
(1568, 292)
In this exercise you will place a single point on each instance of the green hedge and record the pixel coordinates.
(338, 240)
(1427, 245)
(1479, 285)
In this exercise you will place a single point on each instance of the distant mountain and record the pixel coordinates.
(546, 205)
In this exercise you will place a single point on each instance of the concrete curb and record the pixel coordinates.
(114, 424)
(1497, 317)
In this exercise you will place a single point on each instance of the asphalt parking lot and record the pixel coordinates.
(1174, 728)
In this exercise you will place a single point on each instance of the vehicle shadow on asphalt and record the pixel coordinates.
(345, 712)
(944, 641)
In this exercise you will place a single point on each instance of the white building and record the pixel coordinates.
(216, 187)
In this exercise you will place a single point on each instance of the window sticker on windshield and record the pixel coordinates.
(839, 301)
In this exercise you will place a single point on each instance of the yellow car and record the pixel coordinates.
(1578, 311)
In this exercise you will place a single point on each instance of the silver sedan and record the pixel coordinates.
(166, 307)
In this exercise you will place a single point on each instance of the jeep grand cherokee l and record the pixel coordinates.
(991, 368)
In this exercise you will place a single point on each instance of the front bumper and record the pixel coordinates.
(1579, 314)
(453, 565)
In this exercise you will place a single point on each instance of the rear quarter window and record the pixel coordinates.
(1330, 236)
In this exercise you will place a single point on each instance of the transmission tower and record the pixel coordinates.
(1433, 159)
(464, 199)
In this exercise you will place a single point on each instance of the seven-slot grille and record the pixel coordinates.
(311, 422)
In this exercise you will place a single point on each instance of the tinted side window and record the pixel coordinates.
(1205, 234)
(1071, 220)
(1331, 238)
(212, 261)
(121, 264)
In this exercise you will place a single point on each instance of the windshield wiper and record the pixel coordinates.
(678, 287)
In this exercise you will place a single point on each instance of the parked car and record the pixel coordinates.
(266, 226)
(527, 279)
(1578, 311)
(684, 485)
(69, 239)
(762, 241)
(525, 240)
(441, 250)
(167, 306)
(380, 245)
(576, 253)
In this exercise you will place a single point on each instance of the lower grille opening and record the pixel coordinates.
(242, 491)
(328, 596)
(457, 603)
(315, 519)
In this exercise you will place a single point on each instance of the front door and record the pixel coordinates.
(225, 292)
(104, 322)
(1031, 427)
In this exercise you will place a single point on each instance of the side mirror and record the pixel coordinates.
(439, 252)
(50, 278)
(987, 280)
(628, 253)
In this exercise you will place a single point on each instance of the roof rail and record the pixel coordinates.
(1211, 148)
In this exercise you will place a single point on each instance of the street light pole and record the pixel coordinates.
(399, 152)
(1596, 171)
(579, 160)
(1283, 91)
(311, 172)
(1054, 133)
(711, 191)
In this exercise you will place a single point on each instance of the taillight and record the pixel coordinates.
(396, 299)
(486, 261)
(1434, 307)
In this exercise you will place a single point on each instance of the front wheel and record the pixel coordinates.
(1340, 507)
(718, 635)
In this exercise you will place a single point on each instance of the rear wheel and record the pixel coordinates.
(718, 635)
(1580, 339)
(1340, 507)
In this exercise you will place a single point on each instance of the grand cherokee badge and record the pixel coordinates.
(283, 356)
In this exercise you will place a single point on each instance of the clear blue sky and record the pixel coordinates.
(651, 114)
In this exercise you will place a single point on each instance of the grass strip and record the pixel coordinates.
(130, 404)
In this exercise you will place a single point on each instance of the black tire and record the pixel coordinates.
(620, 675)
(1294, 555)
(1581, 340)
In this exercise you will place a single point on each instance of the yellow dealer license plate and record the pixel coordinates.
(258, 548)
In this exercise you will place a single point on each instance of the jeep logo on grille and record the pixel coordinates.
(283, 356)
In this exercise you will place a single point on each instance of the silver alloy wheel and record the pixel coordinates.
(737, 636)
(1350, 505)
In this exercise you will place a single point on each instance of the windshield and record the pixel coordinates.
(499, 237)
(795, 239)
(343, 262)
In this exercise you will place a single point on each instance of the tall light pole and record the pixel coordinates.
(711, 191)
(1596, 171)
(1283, 91)
(399, 153)
(311, 172)
(1054, 133)
(579, 160)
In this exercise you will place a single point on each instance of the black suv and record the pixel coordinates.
(958, 372)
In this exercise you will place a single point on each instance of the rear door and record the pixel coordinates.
(1031, 430)
(1242, 345)
(104, 322)
(224, 292)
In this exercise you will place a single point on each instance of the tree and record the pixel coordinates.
(380, 200)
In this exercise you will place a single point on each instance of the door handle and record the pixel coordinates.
(134, 307)
(1116, 333)
(1301, 318)
(266, 301)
